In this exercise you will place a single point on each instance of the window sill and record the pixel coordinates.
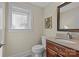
(19, 30)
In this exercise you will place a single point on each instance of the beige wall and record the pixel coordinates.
(22, 41)
(51, 10)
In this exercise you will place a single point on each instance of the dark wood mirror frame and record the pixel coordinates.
(58, 19)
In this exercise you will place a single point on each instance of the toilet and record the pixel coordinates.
(38, 50)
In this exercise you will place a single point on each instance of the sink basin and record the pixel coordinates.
(65, 41)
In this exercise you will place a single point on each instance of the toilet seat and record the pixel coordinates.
(38, 47)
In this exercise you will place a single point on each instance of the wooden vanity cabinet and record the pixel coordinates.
(56, 50)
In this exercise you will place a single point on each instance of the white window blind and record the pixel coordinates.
(20, 18)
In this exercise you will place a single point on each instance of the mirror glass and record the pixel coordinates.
(69, 16)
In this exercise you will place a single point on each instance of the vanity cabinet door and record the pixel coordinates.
(64, 51)
(70, 52)
(51, 49)
(51, 53)
(51, 46)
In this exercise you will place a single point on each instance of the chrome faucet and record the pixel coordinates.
(69, 36)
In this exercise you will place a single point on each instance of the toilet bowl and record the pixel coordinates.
(38, 49)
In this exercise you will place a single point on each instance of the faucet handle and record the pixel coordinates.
(69, 35)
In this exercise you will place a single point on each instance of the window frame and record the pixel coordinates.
(28, 11)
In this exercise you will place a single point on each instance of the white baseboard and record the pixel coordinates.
(22, 54)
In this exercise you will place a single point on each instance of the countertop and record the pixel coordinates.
(70, 45)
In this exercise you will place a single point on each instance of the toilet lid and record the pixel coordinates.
(38, 47)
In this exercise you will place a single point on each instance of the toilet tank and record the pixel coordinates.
(43, 38)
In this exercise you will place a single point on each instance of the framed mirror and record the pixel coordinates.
(68, 17)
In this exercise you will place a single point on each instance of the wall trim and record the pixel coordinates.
(23, 54)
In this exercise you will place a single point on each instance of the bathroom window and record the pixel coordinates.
(20, 18)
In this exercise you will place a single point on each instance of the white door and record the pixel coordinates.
(1, 29)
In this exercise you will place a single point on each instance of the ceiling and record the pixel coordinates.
(41, 4)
